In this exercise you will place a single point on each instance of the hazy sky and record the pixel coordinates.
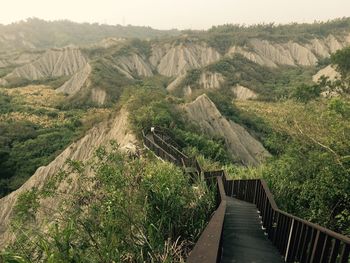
(182, 14)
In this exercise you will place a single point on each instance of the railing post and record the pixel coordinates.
(289, 240)
(255, 190)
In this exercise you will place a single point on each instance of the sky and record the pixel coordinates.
(181, 14)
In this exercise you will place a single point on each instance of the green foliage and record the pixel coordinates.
(223, 102)
(305, 93)
(107, 77)
(270, 84)
(340, 106)
(26, 146)
(225, 36)
(5, 102)
(131, 210)
(135, 45)
(147, 110)
(26, 206)
(192, 77)
(239, 70)
(341, 58)
(308, 182)
(158, 110)
(54, 82)
(309, 176)
(211, 148)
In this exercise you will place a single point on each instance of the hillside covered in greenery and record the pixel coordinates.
(125, 205)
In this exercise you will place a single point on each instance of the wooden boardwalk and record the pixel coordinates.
(234, 233)
(244, 240)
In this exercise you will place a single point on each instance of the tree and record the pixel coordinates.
(342, 59)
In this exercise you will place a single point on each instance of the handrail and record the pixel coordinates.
(169, 148)
(208, 247)
(180, 156)
(297, 239)
(158, 150)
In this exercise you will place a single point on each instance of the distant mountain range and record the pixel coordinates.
(35, 33)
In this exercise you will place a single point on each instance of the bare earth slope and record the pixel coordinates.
(240, 144)
(272, 54)
(53, 63)
(82, 150)
(174, 60)
(243, 93)
(76, 82)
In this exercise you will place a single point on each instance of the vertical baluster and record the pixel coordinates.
(334, 251)
(286, 235)
(326, 249)
(299, 247)
(246, 191)
(277, 230)
(265, 208)
(318, 246)
(272, 224)
(230, 188)
(290, 240)
(306, 245)
(311, 246)
(260, 197)
(281, 233)
(255, 191)
(345, 254)
(295, 233)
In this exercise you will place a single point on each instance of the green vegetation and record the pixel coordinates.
(135, 45)
(192, 77)
(305, 93)
(54, 82)
(26, 146)
(131, 210)
(270, 84)
(341, 59)
(33, 135)
(225, 36)
(161, 110)
(309, 174)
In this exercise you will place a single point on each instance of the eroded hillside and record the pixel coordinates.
(116, 129)
(138, 84)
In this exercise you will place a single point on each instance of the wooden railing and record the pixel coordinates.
(169, 148)
(297, 240)
(208, 248)
(181, 158)
(160, 152)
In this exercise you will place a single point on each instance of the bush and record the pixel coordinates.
(305, 93)
(131, 210)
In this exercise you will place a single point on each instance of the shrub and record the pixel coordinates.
(131, 210)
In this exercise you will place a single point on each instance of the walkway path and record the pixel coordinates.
(244, 240)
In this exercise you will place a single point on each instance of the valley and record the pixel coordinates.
(262, 101)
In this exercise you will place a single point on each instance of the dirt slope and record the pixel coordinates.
(240, 144)
(82, 150)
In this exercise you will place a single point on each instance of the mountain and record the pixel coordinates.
(35, 33)
(247, 98)
(242, 147)
(176, 60)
